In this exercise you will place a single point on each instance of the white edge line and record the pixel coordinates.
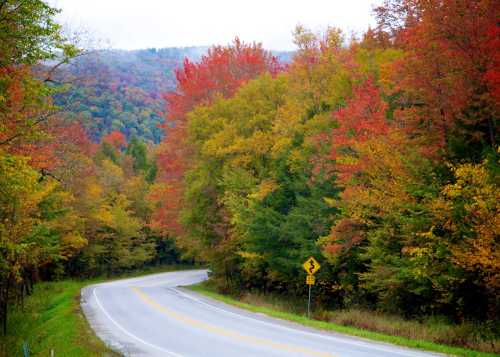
(128, 333)
(331, 338)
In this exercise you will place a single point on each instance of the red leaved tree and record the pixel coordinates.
(361, 119)
(115, 139)
(449, 74)
(219, 73)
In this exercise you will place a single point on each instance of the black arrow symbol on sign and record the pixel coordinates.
(311, 268)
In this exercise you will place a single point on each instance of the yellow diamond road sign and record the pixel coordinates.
(311, 265)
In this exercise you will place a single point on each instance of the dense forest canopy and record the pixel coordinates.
(379, 155)
(117, 90)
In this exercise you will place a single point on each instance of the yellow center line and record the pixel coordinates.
(226, 332)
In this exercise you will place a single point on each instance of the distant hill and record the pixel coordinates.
(122, 90)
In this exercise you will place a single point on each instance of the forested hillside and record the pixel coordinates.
(378, 155)
(116, 90)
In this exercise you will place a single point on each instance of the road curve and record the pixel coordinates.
(152, 316)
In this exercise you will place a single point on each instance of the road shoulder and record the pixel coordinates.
(202, 292)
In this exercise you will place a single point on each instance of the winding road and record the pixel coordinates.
(153, 316)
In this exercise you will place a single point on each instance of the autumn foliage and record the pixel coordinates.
(378, 156)
(115, 139)
(68, 206)
(218, 74)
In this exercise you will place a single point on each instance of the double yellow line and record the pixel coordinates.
(226, 332)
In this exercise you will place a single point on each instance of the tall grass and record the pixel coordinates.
(433, 329)
(52, 320)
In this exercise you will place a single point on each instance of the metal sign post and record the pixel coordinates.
(309, 303)
(26, 350)
(311, 266)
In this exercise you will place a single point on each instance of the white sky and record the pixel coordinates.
(131, 24)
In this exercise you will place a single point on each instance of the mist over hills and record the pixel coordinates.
(123, 89)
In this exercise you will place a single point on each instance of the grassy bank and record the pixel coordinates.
(52, 319)
(363, 324)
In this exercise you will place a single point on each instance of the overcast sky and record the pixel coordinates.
(131, 24)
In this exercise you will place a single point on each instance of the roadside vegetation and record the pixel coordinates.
(52, 320)
(69, 207)
(378, 155)
(432, 334)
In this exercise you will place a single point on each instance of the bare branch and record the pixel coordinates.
(21, 133)
(45, 173)
(65, 60)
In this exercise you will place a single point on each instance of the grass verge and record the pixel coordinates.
(277, 312)
(52, 319)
